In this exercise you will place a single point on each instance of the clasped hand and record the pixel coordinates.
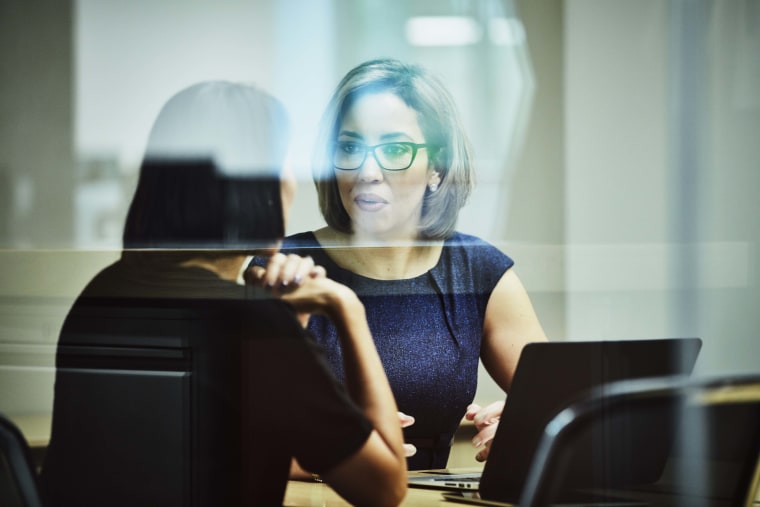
(284, 272)
(283, 275)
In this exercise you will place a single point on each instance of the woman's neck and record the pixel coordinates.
(380, 259)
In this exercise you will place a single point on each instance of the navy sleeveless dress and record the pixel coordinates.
(428, 332)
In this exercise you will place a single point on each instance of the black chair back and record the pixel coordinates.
(147, 405)
(711, 428)
(18, 478)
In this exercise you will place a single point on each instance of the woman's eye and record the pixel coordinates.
(395, 150)
(349, 148)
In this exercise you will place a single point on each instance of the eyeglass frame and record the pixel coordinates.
(367, 148)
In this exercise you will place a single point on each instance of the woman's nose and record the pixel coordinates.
(370, 170)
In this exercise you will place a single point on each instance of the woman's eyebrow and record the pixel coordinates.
(395, 136)
(390, 136)
(350, 133)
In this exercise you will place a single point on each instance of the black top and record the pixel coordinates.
(259, 392)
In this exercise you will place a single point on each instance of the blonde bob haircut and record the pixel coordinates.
(449, 155)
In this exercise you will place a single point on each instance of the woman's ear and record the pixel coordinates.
(433, 181)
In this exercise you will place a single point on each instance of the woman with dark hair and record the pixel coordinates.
(211, 193)
(392, 169)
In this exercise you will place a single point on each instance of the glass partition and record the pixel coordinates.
(615, 147)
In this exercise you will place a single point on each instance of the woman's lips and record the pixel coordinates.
(370, 202)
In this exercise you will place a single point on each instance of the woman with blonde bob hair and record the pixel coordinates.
(450, 156)
(392, 168)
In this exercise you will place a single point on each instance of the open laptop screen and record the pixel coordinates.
(548, 377)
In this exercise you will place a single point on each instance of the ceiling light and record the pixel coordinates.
(442, 31)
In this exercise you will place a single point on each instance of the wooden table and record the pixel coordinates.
(314, 494)
(307, 493)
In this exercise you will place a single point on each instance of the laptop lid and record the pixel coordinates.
(550, 375)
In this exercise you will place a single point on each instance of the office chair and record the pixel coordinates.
(18, 479)
(710, 429)
(147, 405)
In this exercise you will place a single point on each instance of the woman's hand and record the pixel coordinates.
(486, 420)
(406, 421)
(285, 273)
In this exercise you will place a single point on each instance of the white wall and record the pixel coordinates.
(617, 201)
(661, 219)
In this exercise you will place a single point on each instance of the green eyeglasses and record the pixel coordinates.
(396, 156)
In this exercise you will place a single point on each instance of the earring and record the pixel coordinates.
(433, 187)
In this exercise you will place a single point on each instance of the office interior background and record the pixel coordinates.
(617, 142)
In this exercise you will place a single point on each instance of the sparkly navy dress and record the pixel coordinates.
(428, 332)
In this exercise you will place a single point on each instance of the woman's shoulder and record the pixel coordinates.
(462, 239)
(306, 239)
(468, 241)
(303, 244)
(308, 243)
(109, 281)
(474, 258)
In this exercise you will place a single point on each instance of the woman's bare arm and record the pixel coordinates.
(510, 323)
(376, 473)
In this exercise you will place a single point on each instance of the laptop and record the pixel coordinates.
(548, 377)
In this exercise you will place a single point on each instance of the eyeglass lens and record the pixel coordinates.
(349, 155)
